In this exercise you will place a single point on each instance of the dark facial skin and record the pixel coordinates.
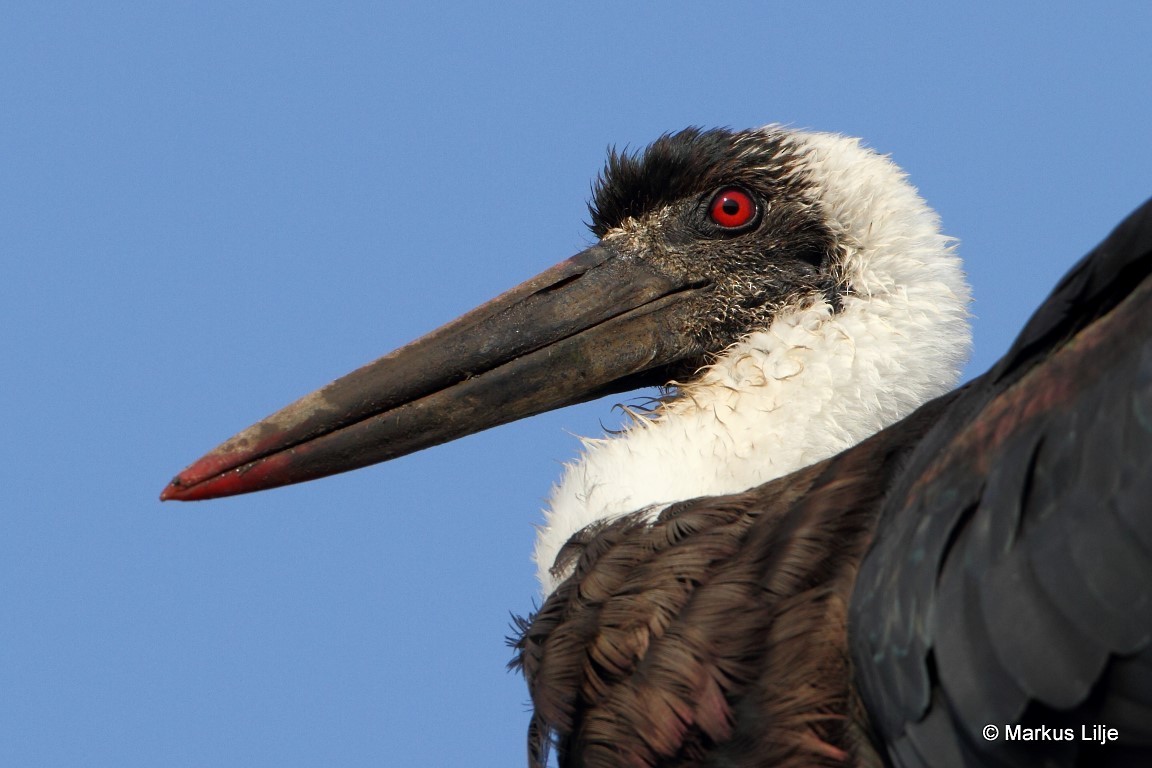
(705, 236)
(656, 205)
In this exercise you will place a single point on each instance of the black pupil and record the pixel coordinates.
(730, 206)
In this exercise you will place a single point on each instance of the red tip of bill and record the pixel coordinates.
(215, 476)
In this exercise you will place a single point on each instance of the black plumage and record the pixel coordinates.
(1003, 536)
(986, 561)
(1011, 578)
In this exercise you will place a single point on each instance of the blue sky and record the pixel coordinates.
(209, 209)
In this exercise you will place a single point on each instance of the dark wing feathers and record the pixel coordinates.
(716, 633)
(1091, 288)
(986, 561)
(1010, 581)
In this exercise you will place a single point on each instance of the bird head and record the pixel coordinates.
(704, 237)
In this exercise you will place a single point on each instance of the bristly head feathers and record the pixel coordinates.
(839, 311)
(662, 193)
(680, 164)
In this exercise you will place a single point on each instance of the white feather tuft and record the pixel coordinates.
(813, 383)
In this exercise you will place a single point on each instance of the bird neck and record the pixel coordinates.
(818, 380)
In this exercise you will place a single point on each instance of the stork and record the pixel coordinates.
(811, 550)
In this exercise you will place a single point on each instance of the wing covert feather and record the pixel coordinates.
(1010, 580)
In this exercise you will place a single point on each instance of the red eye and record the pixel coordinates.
(732, 208)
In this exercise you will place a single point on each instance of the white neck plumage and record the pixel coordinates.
(813, 383)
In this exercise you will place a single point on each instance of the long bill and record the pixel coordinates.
(601, 322)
